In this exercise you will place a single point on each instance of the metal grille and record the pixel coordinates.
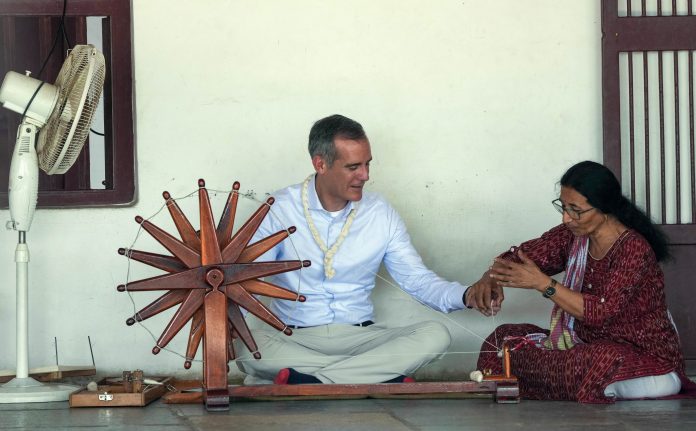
(656, 92)
(655, 8)
(657, 133)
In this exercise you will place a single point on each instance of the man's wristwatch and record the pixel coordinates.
(550, 289)
(464, 298)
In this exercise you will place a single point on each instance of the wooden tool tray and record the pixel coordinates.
(111, 393)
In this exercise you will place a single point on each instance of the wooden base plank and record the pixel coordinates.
(52, 373)
(503, 391)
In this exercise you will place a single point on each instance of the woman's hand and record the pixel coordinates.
(485, 295)
(525, 275)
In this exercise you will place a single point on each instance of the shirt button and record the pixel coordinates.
(601, 300)
(589, 286)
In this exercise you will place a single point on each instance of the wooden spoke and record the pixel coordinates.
(234, 273)
(186, 254)
(192, 302)
(264, 288)
(160, 261)
(231, 335)
(241, 328)
(242, 298)
(210, 249)
(226, 223)
(251, 252)
(243, 236)
(231, 354)
(195, 336)
(164, 302)
(190, 279)
(183, 225)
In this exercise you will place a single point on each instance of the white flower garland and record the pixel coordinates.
(329, 253)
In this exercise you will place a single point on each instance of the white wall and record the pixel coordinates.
(474, 110)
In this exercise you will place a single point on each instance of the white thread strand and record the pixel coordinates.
(135, 308)
(247, 356)
(375, 355)
(427, 306)
(495, 331)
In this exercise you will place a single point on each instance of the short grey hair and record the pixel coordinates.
(324, 131)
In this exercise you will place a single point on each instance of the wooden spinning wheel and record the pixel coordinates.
(212, 274)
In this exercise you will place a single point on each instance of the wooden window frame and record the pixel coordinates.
(120, 148)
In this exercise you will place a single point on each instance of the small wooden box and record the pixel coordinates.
(109, 394)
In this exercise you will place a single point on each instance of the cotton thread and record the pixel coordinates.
(317, 238)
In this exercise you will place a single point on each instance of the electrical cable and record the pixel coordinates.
(61, 30)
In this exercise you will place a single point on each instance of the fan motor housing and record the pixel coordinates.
(17, 90)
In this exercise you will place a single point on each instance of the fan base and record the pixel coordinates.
(28, 390)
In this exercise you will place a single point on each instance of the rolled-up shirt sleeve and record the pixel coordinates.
(407, 268)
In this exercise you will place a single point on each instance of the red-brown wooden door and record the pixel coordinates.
(648, 124)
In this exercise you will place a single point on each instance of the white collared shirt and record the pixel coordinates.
(377, 235)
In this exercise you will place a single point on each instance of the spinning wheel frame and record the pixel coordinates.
(210, 274)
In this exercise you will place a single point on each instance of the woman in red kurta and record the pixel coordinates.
(610, 321)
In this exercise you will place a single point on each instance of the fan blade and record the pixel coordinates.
(183, 252)
(210, 249)
(259, 287)
(240, 296)
(159, 261)
(251, 252)
(164, 302)
(226, 223)
(244, 234)
(183, 225)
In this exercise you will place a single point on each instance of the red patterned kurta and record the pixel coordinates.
(626, 330)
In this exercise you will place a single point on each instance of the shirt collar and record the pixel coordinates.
(315, 203)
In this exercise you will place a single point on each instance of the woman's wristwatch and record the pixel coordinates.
(550, 289)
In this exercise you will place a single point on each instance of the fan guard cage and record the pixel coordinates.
(61, 140)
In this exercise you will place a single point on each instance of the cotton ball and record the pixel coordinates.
(476, 376)
(92, 386)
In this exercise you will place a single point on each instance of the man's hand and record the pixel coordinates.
(485, 295)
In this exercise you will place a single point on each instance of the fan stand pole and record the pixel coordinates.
(24, 389)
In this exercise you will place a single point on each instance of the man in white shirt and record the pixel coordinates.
(346, 233)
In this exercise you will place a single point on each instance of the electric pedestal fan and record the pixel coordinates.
(55, 124)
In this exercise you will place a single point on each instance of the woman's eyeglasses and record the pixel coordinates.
(573, 213)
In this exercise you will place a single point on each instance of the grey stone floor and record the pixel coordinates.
(363, 414)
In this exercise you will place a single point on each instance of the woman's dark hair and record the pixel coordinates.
(603, 191)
